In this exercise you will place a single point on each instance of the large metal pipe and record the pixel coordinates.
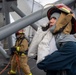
(25, 21)
(19, 24)
(7, 21)
(17, 10)
(21, 14)
(4, 53)
(67, 2)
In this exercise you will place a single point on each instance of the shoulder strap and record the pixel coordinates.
(20, 42)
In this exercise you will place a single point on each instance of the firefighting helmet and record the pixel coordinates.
(20, 32)
(58, 9)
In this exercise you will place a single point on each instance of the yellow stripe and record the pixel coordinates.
(13, 72)
(30, 74)
(22, 54)
(18, 48)
(66, 10)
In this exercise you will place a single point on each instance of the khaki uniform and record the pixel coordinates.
(21, 58)
(62, 21)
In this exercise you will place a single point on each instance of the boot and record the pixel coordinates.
(11, 73)
(30, 74)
